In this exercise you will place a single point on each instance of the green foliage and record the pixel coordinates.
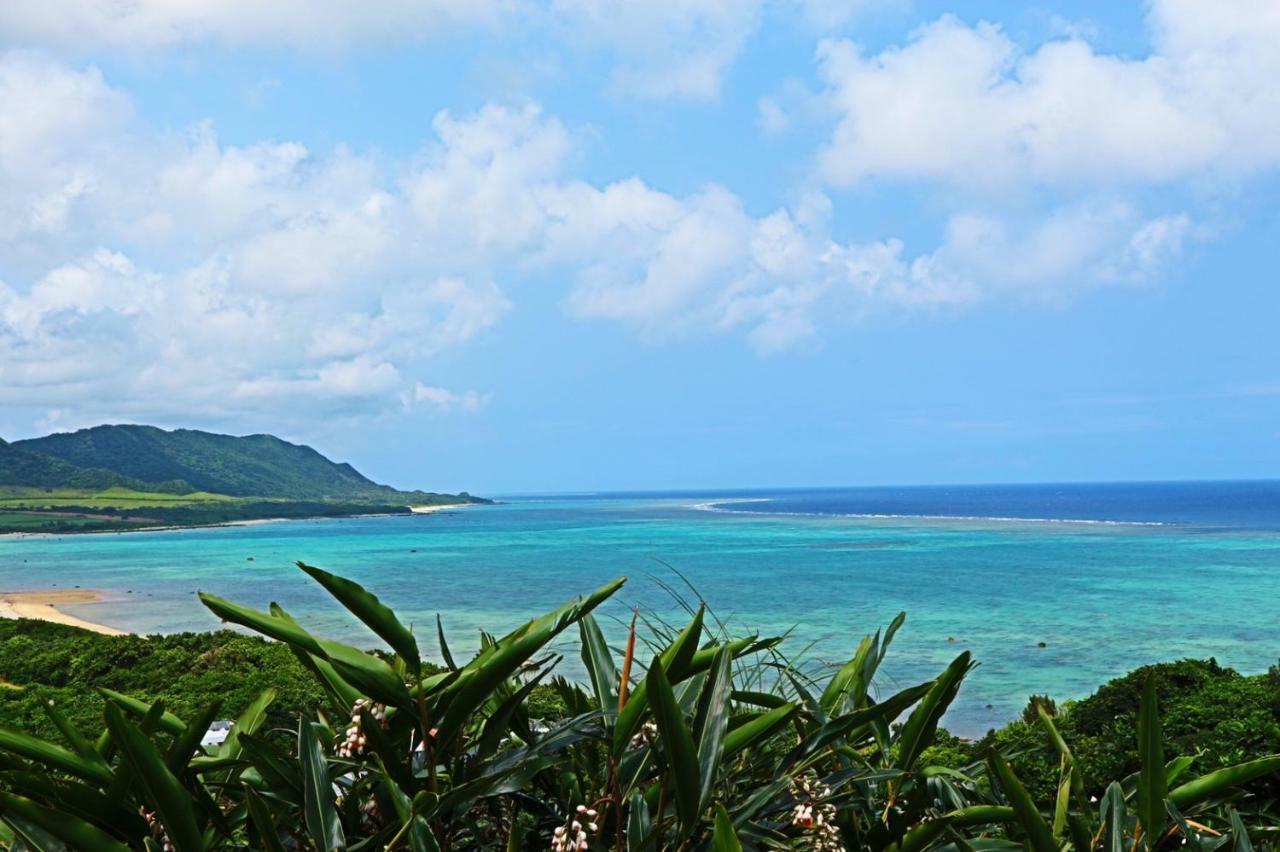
(719, 743)
(43, 662)
(190, 460)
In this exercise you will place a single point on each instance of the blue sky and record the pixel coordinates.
(504, 245)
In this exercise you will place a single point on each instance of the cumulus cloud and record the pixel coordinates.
(964, 104)
(168, 273)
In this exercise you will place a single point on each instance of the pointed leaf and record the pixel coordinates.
(1038, 834)
(319, 812)
(173, 803)
(725, 839)
(75, 832)
(365, 606)
(1151, 779)
(677, 745)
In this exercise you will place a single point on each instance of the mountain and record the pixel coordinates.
(184, 460)
(20, 467)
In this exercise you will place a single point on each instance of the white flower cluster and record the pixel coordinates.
(815, 816)
(646, 736)
(165, 843)
(573, 836)
(355, 739)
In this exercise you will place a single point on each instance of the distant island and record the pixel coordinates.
(140, 477)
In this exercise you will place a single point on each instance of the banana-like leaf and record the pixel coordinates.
(677, 745)
(922, 725)
(599, 662)
(1111, 813)
(376, 615)
(168, 722)
(724, 839)
(444, 645)
(75, 832)
(639, 825)
(710, 724)
(479, 678)
(366, 672)
(172, 802)
(1239, 834)
(185, 744)
(760, 728)
(1220, 781)
(1070, 783)
(319, 812)
(54, 756)
(1151, 777)
(248, 723)
(78, 743)
(632, 714)
(1039, 836)
(848, 726)
(268, 838)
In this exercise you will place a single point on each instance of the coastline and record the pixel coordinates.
(43, 606)
(244, 522)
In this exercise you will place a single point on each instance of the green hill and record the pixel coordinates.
(151, 459)
(24, 468)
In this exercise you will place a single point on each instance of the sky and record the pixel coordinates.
(573, 245)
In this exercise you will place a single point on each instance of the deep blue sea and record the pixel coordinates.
(1107, 576)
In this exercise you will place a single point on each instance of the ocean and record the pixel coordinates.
(1054, 588)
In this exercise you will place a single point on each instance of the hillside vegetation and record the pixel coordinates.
(127, 477)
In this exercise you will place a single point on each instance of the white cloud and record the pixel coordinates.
(679, 48)
(152, 274)
(963, 104)
(306, 24)
(446, 400)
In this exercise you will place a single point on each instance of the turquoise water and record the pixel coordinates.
(1103, 597)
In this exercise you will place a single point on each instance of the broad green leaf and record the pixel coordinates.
(711, 722)
(184, 745)
(1039, 835)
(758, 729)
(172, 802)
(677, 745)
(78, 743)
(1239, 834)
(319, 812)
(1112, 815)
(479, 678)
(599, 662)
(632, 715)
(366, 672)
(365, 606)
(444, 645)
(639, 825)
(268, 837)
(1220, 781)
(55, 756)
(168, 722)
(1151, 781)
(1070, 782)
(922, 725)
(725, 839)
(248, 723)
(75, 832)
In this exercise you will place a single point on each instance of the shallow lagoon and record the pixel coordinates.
(1102, 597)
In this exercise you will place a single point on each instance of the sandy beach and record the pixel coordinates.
(426, 510)
(43, 606)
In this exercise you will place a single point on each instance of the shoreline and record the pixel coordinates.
(43, 606)
(243, 522)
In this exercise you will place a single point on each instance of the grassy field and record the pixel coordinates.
(111, 498)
